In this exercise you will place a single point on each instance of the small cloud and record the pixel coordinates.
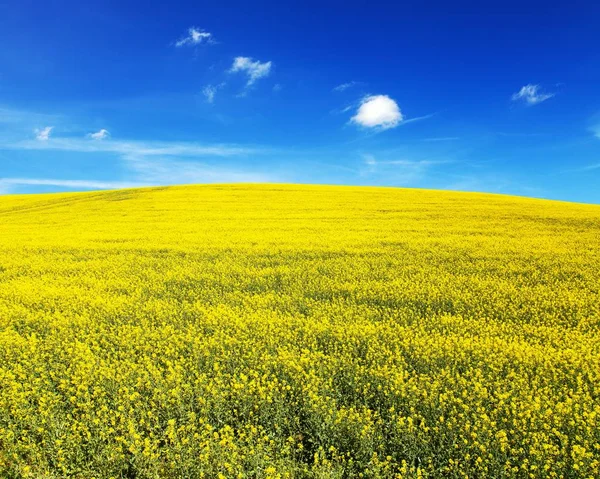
(209, 91)
(99, 135)
(378, 111)
(44, 133)
(195, 36)
(442, 138)
(370, 160)
(594, 166)
(255, 70)
(345, 109)
(277, 87)
(418, 118)
(74, 184)
(345, 86)
(167, 171)
(24, 117)
(133, 147)
(531, 94)
(401, 171)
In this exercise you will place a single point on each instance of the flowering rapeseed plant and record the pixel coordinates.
(298, 332)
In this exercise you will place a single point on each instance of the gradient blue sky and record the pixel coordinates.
(481, 96)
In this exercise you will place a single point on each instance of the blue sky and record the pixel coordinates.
(499, 97)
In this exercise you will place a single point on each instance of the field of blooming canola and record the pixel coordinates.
(285, 331)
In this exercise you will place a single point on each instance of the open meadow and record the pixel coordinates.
(288, 331)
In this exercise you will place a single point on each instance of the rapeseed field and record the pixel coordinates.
(286, 331)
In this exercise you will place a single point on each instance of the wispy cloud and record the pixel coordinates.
(402, 171)
(345, 86)
(43, 134)
(594, 166)
(147, 164)
(442, 138)
(405, 121)
(345, 108)
(132, 147)
(151, 172)
(195, 36)
(371, 161)
(165, 171)
(378, 111)
(16, 117)
(6, 183)
(255, 70)
(490, 183)
(140, 162)
(102, 134)
(519, 134)
(531, 95)
(210, 91)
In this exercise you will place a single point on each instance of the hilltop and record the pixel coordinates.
(282, 215)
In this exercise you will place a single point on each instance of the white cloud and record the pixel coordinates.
(24, 117)
(145, 163)
(531, 95)
(166, 171)
(75, 184)
(195, 36)
(100, 135)
(442, 138)
(148, 164)
(133, 147)
(594, 166)
(210, 91)
(371, 161)
(398, 171)
(43, 134)
(345, 86)
(149, 172)
(255, 70)
(417, 118)
(378, 111)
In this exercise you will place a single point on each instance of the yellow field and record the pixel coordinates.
(298, 331)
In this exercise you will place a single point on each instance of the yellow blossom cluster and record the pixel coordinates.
(286, 331)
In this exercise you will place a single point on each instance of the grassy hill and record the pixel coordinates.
(298, 331)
